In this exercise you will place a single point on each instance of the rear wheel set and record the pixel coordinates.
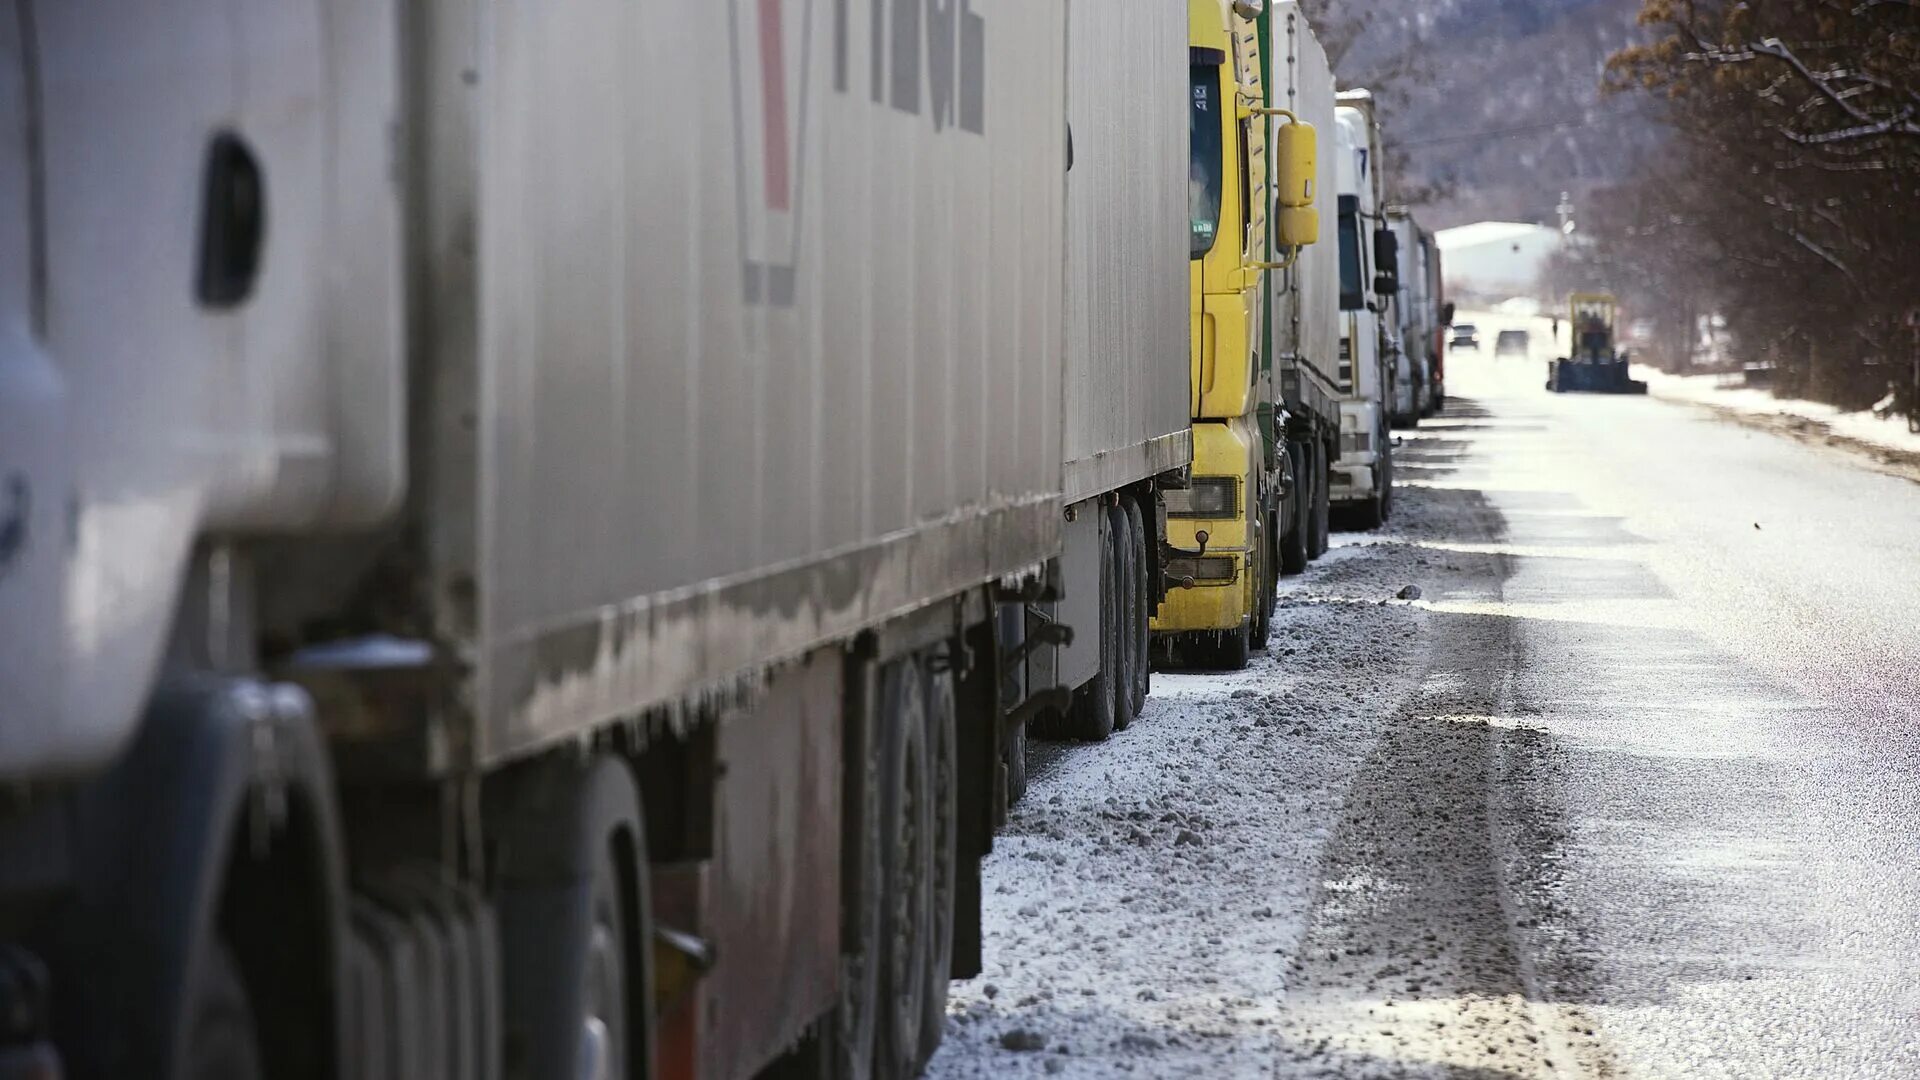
(919, 852)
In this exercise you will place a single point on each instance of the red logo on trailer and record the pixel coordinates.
(772, 79)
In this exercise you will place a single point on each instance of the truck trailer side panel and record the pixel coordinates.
(1126, 378)
(779, 347)
(1306, 326)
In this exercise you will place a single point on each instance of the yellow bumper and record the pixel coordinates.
(1220, 449)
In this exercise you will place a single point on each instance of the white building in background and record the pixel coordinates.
(1496, 258)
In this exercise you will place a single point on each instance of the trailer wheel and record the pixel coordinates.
(1235, 647)
(1142, 634)
(906, 865)
(1265, 582)
(1294, 546)
(1386, 484)
(221, 1041)
(1321, 467)
(943, 773)
(1091, 716)
(1367, 515)
(1126, 608)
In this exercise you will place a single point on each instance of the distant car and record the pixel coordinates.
(1465, 336)
(1511, 343)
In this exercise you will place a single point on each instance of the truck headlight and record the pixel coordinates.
(1208, 497)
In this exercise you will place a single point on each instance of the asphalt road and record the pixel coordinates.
(1630, 790)
(1701, 648)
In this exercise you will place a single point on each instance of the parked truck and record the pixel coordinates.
(503, 510)
(1421, 311)
(1224, 560)
(1126, 432)
(1302, 320)
(1362, 484)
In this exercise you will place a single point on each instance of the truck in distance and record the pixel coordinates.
(1362, 484)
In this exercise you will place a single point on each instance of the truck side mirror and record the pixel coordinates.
(1297, 163)
(1446, 313)
(1298, 226)
(1386, 253)
(1385, 285)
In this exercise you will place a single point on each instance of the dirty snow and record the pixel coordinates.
(1864, 426)
(1146, 903)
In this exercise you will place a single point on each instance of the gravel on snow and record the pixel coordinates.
(1146, 899)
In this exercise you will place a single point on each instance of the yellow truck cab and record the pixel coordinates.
(1221, 577)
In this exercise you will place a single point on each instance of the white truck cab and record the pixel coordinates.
(1361, 482)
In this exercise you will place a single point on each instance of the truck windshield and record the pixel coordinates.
(1204, 181)
(1353, 293)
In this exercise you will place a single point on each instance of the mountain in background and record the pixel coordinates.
(1493, 108)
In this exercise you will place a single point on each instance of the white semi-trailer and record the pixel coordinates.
(1125, 430)
(1303, 320)
(1420, 308)
(502, 513)
(1362, 485)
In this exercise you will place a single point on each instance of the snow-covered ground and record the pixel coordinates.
(1146, 903)
(1865, 426)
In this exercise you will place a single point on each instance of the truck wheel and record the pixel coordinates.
(1366, 516)
(1142, 635)
(576, 927)
(1260, 575)
(1016, 762)
(1270, 597)
(1260, 569)
(221, 1042)
(1235, 648)
(1320, 538)
(1293, 546)
(1126, 595)
(1091, 717)
(846, 1041)
(906, 864)
(1386, 485)
(606, 1031)
(943, 774)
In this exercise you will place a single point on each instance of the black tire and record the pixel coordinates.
(1235, 648)
(905, 869)
(1294, 545)
(1260, 568)
(1016, 762)
(1386, 483)
(1091, 716)
(1366, 516)
(1321, 468)
(1142, 634)
(1270, 598)
(576, 989)
(219, 1040)
(943, 767)
(848, 1039)
(608, 989)
(1126, 608)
